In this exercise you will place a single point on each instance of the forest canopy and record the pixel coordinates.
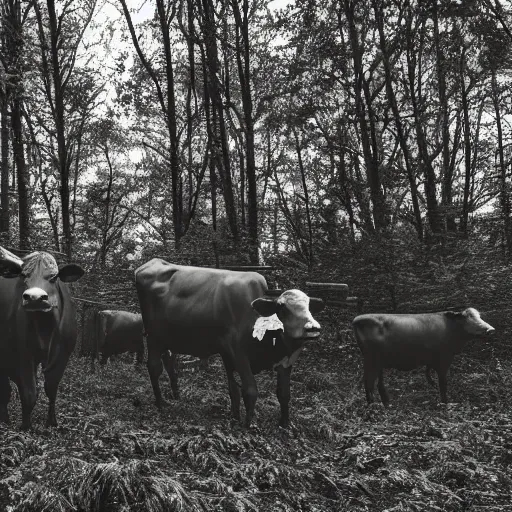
(226, 130)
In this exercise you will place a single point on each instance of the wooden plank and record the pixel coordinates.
(328, 286)
(247, 268)
(28, 251)
(102, 304)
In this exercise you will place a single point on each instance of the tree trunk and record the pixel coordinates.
(244, 70)
(4, 133)
(402, 139)
(434, 218)
(21, 174)
(177, 197)
(218, 122)
(306, 200)
(504, 188)
(60, 127)
(380, 217)
(447, 172)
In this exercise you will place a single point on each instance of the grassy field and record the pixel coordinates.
(113, 451)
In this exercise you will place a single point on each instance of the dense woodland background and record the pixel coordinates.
(214, 132)
(367, 142)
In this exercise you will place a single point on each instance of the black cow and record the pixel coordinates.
(201, 312)
(405, 342)
(119, 332)
(38, 325)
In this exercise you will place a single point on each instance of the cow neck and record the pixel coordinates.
(45, 329)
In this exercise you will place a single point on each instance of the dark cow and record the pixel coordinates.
(119, 332)
(405, 342)
(201, 312)
(38, 325)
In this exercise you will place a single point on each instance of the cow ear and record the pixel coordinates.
(316, 305)
(70, 272)
(10, 264)
(265, 307)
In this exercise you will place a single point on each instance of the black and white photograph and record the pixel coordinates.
(255, 255)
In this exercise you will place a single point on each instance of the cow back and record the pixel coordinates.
(191, 297)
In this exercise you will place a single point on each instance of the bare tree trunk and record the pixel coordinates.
(244, 70)
(21, 173)
(447, 173)
(220, 142)
(434, 218)
(402, 139)
(306, 199)
(4, 133)
(504, 188)
(380, 217)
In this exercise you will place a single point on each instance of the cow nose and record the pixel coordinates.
(312, 325)
(35, 295)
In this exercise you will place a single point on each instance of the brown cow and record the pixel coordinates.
(38, 325)
(119, 332)
(201, 312)
(405, 342)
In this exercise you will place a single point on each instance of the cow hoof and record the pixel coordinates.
(25, 426)
(162, 404)
(51, 423)
(4, 415)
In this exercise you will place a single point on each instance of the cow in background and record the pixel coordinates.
(405, 342)
(202, 312)
(38, 325)
(119, 332)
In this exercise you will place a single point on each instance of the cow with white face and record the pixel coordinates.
(201, 312)
(405, 342)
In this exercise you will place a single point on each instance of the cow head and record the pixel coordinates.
(40, 273)
(295, 310)
(472, 322)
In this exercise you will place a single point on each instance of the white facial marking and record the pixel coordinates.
(34, 294)
(476, 324)
(299, 326)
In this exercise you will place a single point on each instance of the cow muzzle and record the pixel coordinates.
(36, 299)
(311, 333)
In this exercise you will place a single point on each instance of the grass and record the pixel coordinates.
(114, 452)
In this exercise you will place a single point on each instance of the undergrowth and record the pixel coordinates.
(114, 452)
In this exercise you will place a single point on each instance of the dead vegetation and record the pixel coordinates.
(114, 452)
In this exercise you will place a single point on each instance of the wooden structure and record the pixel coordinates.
(333, 294)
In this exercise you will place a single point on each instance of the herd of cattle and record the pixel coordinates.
(201, 312)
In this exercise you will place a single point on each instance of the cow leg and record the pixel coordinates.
(442, 375)
(27, 388)
(52, 378)
(383, 392)
(5, 397)
(249, 388)
(234, 389)
(139, 356)
(171, 367)
(283, 393)
(430, 380)
(155, 368)
(370, 376)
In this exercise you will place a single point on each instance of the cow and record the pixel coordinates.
(408, 341)
(38, 325)
(119, 332)
(202, 312)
